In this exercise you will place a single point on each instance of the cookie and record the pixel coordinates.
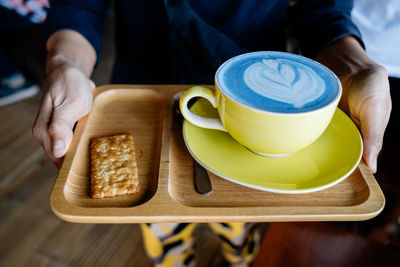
(114, 170)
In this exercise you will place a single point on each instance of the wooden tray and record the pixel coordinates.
(166, 174)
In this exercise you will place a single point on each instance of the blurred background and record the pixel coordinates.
(31, 235)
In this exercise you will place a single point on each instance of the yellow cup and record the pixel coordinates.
(264, 129)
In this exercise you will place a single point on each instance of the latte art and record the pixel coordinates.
(278, 82)
(285, 81)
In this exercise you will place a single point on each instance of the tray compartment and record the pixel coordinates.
(350, 192)
(136, 112)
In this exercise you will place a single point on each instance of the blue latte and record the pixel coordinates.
(277, 82)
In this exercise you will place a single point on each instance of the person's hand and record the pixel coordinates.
(369, 105)
(67, 98)
(366, 93)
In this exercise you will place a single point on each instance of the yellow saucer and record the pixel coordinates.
(324, 163)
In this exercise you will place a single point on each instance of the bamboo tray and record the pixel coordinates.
(166, 174)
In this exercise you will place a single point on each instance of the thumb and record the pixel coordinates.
(61, 125)
(61, 137)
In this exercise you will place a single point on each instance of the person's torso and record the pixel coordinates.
(144, 33)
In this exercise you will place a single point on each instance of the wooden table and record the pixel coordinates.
(166, 174)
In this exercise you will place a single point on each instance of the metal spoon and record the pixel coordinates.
(202, 182)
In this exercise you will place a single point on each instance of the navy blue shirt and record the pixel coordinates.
(178, 41)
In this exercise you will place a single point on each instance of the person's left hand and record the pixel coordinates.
(366, 92)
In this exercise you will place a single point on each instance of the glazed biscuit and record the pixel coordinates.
(114, 169)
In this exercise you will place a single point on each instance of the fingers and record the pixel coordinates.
(61, 107)
(370, 105)
(43, 133)
(53, 125)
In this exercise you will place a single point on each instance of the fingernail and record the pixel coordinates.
(58, 148)
(374, 167)
(372, 163)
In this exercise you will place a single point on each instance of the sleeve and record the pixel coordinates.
(318, 23)
(85, 17)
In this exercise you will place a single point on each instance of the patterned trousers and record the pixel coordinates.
(171, 244)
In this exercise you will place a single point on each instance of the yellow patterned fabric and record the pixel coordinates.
(171, 244)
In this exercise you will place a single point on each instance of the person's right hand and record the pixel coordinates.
(67, 98)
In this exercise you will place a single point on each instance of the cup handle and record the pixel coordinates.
(200, 121)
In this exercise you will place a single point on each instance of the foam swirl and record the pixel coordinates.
(285, 81)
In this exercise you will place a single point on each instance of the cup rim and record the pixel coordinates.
(334, 100)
